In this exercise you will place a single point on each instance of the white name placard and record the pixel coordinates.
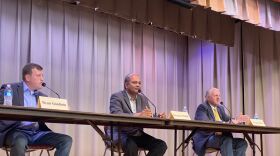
(52, 103)
(257, 122)
(179, 115)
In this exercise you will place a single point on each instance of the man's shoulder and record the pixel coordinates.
(117, 98)
(119, 94)
(204, 105)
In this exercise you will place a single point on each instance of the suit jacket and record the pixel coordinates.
(18, 100)
(119, 104)
(204, 112)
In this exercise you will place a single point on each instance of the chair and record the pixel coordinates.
(108, 142)
(116, 147)
(210, 150)
(32, 148)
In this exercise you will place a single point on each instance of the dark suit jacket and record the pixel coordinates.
(18, 100)
(119, 104)
(204, 112)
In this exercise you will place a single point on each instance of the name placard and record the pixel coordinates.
(179, 115)
(256, 122)
(52, 103)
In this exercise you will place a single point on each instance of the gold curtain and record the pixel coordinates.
(263, 13)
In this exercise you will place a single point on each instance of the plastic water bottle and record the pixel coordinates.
(256, 116)
(8, 95)
(185, 109)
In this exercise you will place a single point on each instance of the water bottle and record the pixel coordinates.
(256, 116)
(8, 95)
(185, 109)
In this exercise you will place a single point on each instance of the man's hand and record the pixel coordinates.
(234, 121)
(162, 115)
(145, 113)
(241, 119)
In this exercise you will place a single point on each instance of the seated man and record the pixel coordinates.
(130, 102)
(211, 110)
(18, 135)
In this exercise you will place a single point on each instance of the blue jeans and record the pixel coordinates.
(19, 140)
(228, 145)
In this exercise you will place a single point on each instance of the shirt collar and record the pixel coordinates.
(27, 89)
(212, 106)
(130, 98)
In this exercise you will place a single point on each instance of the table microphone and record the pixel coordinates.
(155, 114)
(230, 115)
(45, 85)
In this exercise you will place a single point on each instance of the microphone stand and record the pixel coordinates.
(230, 115)
(45, 85)
(155, 114)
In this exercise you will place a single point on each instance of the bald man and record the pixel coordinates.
(211, 110)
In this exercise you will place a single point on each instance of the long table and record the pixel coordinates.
(77, 117)
(220, 127)
(93, 119)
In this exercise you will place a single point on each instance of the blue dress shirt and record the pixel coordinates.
(29, 101)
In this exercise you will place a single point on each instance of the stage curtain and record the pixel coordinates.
(86, 54)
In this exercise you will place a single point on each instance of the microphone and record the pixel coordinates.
(45, 85)
(155, 114)
(230, 115)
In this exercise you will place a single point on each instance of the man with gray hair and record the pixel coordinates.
(130, 102)
(211, 110)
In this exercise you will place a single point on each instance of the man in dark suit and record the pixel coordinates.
(211, 110)
(19, 134)
(130, 102)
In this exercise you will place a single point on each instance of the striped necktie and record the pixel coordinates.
(216, 114)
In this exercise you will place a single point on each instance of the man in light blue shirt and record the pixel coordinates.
(29, 101)
(19, 134)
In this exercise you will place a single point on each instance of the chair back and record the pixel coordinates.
(109, 142)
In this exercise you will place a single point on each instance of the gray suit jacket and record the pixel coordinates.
(119, 104)
(18, 100)
(204, 112)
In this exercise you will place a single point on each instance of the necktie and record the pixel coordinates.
(36, 95)
(216, 114)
